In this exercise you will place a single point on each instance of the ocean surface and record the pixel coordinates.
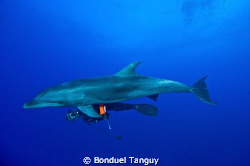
(47, 42)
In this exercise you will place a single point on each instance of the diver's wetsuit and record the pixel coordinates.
(115, 107)
(72, 115)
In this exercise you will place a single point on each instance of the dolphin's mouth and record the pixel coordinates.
(39, 103)
(31, 104)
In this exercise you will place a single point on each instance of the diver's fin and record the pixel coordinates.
(129, 70)
(154, 97)
(89, 110)
(146, 109)
(201, 92)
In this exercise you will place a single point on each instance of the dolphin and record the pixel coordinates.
(124, 85)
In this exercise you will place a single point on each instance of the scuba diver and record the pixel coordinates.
(102, 109)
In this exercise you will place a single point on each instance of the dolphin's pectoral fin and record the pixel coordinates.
(129, 70)
(154, 97)
(146, 109)
(89, 110)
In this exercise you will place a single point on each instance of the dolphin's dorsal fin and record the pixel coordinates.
(128, 70)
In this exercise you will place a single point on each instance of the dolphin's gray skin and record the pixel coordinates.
(125, 85)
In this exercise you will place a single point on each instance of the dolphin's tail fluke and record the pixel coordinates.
(200, 90)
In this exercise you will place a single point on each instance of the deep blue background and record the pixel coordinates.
(47, 42)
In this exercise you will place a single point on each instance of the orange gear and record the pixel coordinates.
(102, 109)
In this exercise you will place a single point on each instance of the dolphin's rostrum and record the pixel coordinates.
(125, 85)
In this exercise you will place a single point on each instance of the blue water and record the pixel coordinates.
(44, 43)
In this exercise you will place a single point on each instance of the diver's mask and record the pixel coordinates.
(72, 115)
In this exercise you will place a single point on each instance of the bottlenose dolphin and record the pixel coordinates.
(124, 85)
